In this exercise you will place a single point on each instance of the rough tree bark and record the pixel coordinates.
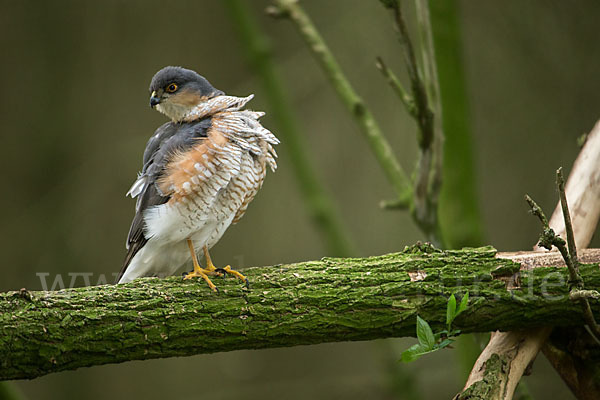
(287, 305)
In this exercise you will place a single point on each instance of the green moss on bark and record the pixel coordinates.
(491, 386)
(334, 299)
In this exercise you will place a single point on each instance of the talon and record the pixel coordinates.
(237, 274)
(220, 271)
(199, 271)
(212, 270)
(201, 274)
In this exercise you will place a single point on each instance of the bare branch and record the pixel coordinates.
(560, 184)
(379, 145)
(395, 84)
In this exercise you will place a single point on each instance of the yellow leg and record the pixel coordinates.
(209, 264)
(199, 271)
(227, 270)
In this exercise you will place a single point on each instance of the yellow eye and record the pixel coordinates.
(171, 88)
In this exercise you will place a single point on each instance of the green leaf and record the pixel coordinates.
(445, 343)
(415, 352)
(453, 333)
(451, 310)
(425, 334)
(463, 304)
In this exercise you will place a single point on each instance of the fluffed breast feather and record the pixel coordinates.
(210, 164)
(216, 178)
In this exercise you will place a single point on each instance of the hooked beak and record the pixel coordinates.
(154, 99)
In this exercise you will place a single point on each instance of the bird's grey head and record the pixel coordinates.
(175, 91)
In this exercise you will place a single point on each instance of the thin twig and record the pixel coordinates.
(429, 76)
(548, 239)
(560, 184)
(355, 105)
(424, 113)
(428, 172)
(394, 204)
(396, 85)
(560, 243)
(574, 265)
(320, 206)
(537, 210)
(423, 198)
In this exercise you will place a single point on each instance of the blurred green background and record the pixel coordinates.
(75, 119)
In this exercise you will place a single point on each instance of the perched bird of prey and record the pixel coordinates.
(200, 172)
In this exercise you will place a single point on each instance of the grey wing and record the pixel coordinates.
(136, 238)
(168, 138)
(161, 135)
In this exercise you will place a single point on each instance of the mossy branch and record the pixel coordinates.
(334, 299)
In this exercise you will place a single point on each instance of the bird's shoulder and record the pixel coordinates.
(173, 137)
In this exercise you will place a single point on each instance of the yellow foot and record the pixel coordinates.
(228, 270)
(198, 271)
(201, 273)
(212, 270)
